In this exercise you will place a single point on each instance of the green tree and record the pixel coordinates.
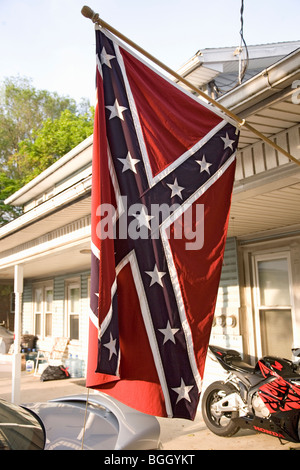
(7, 187)
(53, 140)
(23, 109)
(36, 128)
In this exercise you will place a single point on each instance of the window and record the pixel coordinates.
(73, 305)
(48, 310)
(38, 306)
(274, 306)
(43, 310)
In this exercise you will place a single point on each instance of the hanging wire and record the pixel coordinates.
(246, 58)
(242, 51)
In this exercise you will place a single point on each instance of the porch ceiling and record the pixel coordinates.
(271, 199)
(65, 260)
(265, 209)
(282, 113)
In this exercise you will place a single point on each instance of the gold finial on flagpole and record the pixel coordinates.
(89, 13)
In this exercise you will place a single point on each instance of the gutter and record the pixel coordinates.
(57, 202)
(274, 79)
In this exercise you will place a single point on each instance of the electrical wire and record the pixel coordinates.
(246, 59)
(242, 50)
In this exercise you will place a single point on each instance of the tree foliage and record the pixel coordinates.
(7, 187)
(36, 128)
(54, 139)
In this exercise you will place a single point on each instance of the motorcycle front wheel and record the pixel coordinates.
(219, 422)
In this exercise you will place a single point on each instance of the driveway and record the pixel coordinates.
(176, 434)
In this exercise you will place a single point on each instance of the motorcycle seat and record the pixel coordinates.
(243, 366)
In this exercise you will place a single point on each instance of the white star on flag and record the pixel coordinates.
(111, 346)
(116, 110)
(204, 165)
(143, 218)
(227, 141)
(156, 276)
(129, 163)
(183, 391)
(168, 333)
(176, 189)
(106, 58)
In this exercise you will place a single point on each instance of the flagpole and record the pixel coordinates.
(89, 13)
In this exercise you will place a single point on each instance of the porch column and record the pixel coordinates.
(16, 365)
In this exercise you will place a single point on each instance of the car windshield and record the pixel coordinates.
(19, 429)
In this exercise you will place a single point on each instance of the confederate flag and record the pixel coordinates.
(163, 170)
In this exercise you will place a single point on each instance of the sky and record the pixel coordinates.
(50, 42)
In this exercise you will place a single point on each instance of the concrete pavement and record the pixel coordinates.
(176, 434)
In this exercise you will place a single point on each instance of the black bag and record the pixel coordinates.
(54, 373)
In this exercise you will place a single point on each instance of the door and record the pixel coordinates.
(274, 313)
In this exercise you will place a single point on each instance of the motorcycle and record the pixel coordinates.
(264, 397)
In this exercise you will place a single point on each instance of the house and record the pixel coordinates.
(51, 241)
(258, 306)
